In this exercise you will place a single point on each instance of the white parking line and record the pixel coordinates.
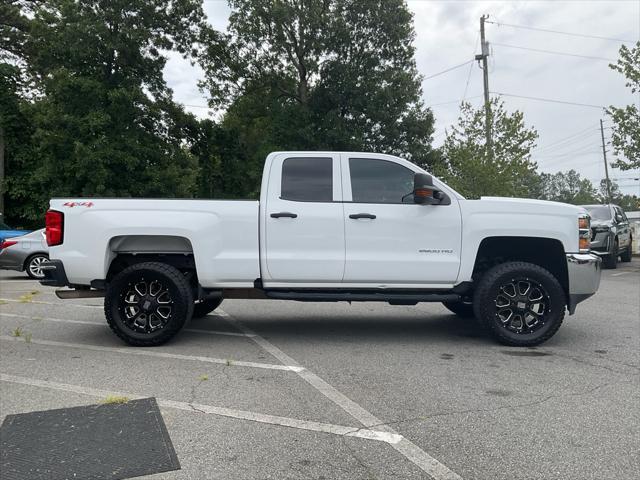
(618, 274)
(411, 451)
(149, 353)
(57, 304)
(26, 281)
(221, 411)
(87, 322)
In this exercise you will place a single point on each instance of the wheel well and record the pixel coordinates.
(127, 250)
(28, 259)
(548, 253)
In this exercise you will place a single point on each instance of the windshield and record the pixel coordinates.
(599, 212)
(4, 226)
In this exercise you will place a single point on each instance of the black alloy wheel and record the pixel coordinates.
(148, 303)
(520, 303)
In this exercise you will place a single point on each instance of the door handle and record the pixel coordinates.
(284, 214)
(362, 215)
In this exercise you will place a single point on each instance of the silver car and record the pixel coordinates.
(25, 253)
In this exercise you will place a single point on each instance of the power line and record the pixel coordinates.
(573, 136)
(574, 142)
(198, 106)
(572, 34)
(448, 70)
(540, 99)
(466, 86)
(451, 101)
(553, 52)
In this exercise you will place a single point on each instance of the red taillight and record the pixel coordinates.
(7, 243)
(54, 227)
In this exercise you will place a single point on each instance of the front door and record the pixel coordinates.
(304, 241)
(391, 241)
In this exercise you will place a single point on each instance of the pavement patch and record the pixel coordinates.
(102, 442)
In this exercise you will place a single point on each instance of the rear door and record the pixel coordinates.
(303, 221)
(389, 239)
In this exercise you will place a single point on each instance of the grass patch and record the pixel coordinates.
(229, 362)
(27, 337)
(3, 302)
(114, 399)
(26, 298)
(16, 332)
(203, 378)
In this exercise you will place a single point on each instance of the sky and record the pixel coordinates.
(447, 34)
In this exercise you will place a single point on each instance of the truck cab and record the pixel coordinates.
(351, 220)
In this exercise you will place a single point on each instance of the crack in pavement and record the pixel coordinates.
(426, 417)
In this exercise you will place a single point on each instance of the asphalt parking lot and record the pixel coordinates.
(288, 390)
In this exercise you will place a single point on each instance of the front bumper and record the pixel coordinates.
(601, 243)
(584, 277)
(54, 274)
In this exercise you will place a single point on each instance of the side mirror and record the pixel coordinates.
(424, 192)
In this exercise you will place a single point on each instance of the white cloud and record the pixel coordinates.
(446, 34)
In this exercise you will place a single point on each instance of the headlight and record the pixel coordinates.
(584, 233)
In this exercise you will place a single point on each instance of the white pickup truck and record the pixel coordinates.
(329, 226)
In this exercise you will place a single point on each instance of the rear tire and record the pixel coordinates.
(520, 304)
(148, 303)
(462, 309)
(626, 256)
(33, 266)
(205, 307)
(611, 260)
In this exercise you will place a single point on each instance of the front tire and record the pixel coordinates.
(33, 266)
(520, 304)
(148, 303)
(611, 260)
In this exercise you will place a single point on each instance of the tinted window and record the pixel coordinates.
(599, 212)
(307, 179)
(380, 181)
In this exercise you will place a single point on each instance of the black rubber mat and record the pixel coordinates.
(97, 442)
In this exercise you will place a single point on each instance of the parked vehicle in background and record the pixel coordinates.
(610, 234)
(329, 226)
(7, 232)
(25, 253)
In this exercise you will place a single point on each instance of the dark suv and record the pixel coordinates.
(610, 234)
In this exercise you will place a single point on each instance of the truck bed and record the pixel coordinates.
(222, 236)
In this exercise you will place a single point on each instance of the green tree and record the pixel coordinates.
(474, 171)
(317, 74)
(628, 203)
(625, 136)
(568, 187)
(102, 119)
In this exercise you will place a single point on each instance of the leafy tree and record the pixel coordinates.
(568, 187)
(103, 120)
(628, 203)
(506, 171)
(625, 136)
(317, 74)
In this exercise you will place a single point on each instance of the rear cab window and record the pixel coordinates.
(307, 179)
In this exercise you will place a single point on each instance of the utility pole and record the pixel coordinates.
(606, 167)
(485, 74)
